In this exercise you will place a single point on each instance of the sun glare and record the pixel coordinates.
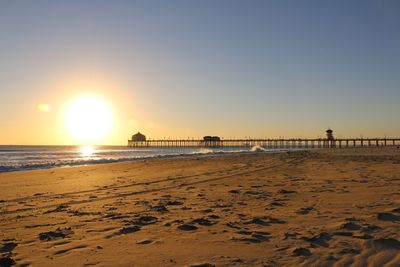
(89, 119)
(43, 107)
(87, 151)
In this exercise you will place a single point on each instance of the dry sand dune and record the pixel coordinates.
(312, 208)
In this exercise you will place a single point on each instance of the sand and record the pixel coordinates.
(336, 207)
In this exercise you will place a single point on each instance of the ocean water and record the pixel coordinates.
(15, 158)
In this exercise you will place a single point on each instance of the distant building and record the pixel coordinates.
(138, 137)
(329, 135)
(211, 139)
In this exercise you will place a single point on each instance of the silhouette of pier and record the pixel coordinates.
(140, 140)
(270, 143)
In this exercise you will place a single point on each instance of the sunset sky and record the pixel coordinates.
(193, 68)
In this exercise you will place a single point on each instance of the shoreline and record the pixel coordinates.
(88, 162)
(300, 208)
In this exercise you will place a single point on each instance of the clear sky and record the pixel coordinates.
(193, 68)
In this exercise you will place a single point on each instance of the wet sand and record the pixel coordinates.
(337, 207)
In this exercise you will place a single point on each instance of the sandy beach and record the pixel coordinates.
(335, 207)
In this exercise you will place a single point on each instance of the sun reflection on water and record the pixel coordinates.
(87, 151)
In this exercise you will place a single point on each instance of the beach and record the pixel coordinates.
(329, 207)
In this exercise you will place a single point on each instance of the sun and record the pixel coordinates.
(89, 119)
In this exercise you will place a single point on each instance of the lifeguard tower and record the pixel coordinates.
(330, 140)
(329, 135)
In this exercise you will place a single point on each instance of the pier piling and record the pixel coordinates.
(269, 143)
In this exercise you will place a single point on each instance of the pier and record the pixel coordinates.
(269, 143)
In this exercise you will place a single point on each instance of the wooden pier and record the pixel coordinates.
(270, 143)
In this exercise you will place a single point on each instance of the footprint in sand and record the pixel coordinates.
(116, 216)
(145, 220)
(252, 236)
(386, 243)
(59, 208)
(265, 221)
(144, 242)
(320, 240)
(159, 208)
(284, 191)
(203, 221)
(397, 210)
(351, 225)
(290, 234)
(277, 204)
(58, 233)
(6, 262)
(173, 203)
(128, 230)
(233, 225)
(207, 211)
(306, 210)
(362, 236)
(387, 216)
(301, 252)
(351, 250)
(187, 227)
(8, 247)
(343, 233)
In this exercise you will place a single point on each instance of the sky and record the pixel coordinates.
(185, 69)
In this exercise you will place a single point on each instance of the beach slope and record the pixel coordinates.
(335, 207)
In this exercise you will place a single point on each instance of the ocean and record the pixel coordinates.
(16, 158)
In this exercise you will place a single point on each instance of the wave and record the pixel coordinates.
(258, 149)
(41, 163)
